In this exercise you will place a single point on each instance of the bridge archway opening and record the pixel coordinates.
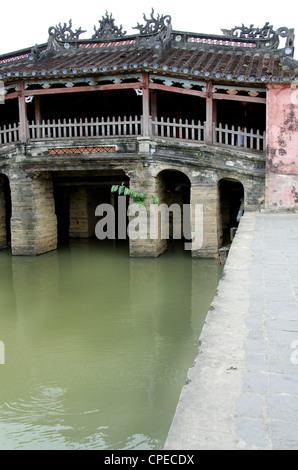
(5, 212)
(230, 209)
(77, 194)
(175, 189)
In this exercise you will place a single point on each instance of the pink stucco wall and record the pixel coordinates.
(282, 146)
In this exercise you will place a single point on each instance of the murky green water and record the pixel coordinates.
(97, 345)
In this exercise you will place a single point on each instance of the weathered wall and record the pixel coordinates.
(143, 180)
(204, 193)
(33, 221)
(3, 240)
(282, 147)
(81, 223)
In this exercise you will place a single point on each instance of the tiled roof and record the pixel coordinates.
(249, 55)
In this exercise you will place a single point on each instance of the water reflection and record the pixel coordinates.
(97, 345)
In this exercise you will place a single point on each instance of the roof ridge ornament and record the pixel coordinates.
(61, 38)
(265, 37)
(107, 28)
(65, 33)
(157, 33)
(253, 33)
(154, 25)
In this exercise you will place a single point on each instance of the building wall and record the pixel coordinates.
(81, 214)
(3, 240)
(282, 147)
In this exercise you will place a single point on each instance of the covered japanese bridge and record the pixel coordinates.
(188, 117)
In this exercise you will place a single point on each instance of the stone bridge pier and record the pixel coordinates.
(145, 181)
(33, 220)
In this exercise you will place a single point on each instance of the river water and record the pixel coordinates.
(97, 345)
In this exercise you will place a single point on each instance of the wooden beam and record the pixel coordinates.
(11, 96)
(172, 89)
(202, 94)
(250, 99)
(83, 89)
(137, 85)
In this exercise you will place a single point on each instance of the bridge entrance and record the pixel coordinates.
(77, 194)
(175, 191)
(231, 199)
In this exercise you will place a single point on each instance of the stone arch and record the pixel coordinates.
(159, 168)
(78, 193)
(159, 180)
(231, 196)
(5, 211)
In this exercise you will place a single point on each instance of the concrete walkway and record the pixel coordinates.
(242, 391)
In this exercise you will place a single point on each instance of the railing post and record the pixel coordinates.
(213, 133)
(23, 126)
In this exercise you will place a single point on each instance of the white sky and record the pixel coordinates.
(25, 23)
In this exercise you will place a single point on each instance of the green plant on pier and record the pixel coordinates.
(138, 198)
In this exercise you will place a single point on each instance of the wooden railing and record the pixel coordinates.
(132, 126)
(240, 137)
(178, 129)
(9, 134)
(84, 128)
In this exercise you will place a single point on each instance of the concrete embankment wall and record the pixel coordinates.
(242, 391)
(205, 415)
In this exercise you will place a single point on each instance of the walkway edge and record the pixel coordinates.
(205, 414)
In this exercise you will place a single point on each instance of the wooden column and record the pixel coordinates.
(146, 105)
(214, 117)
(209, 114)
(37, 109)
(23, 134)
(153, 104)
